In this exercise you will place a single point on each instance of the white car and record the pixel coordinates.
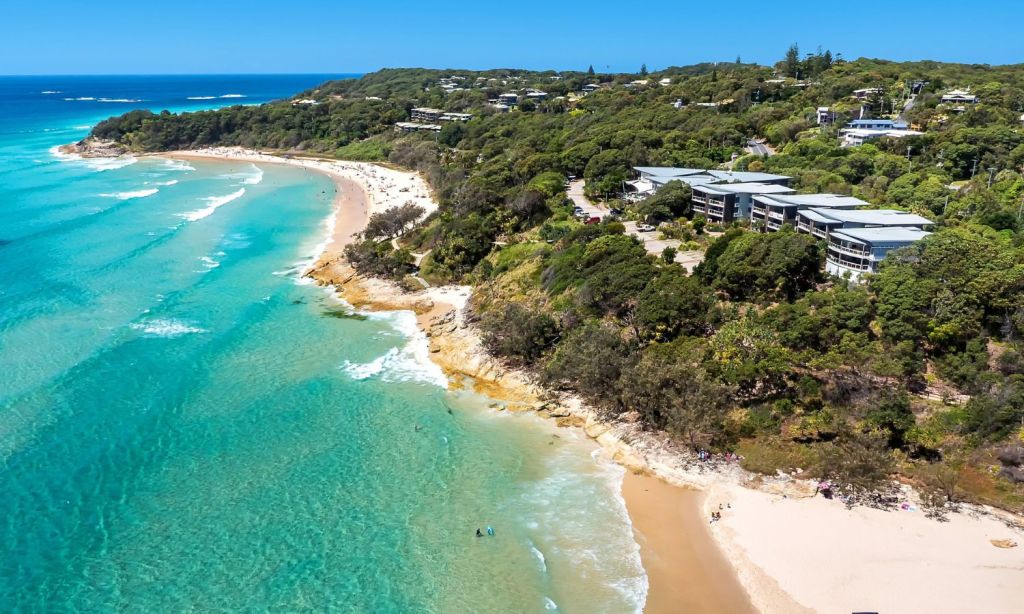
(645, 228)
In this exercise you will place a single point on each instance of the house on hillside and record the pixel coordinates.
(771, 211)
(650, 179)
(860, 131)
(822, 222)
(511, 99)
(825, 115)
(959, 97)
(456, 117)
(591, 87)
(426, 114)
(856, 251)
(868, 92)
(723, 203)
(416, 127)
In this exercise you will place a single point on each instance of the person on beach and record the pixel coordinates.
(478, 533)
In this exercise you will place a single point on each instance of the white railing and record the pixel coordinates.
(847, 264)
(849, 252)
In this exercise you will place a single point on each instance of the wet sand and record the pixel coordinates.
(686, 569)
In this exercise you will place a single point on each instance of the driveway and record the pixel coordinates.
(575, 193)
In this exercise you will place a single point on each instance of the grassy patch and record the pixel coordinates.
(768, 455)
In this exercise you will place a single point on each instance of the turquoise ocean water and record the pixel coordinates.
(187, 426)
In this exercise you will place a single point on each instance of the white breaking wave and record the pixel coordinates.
(214, 203)
(166, 328)
(178, 165)
(201, 97)
(540, 557)
(96, 164)
(162, 183)
(209, 263)
(129, 195)
(80, 99)
(253, 177)
(50, 92)
(233, 96)
(119, 100)
(549, 604)
(82, 127)
(410, 363)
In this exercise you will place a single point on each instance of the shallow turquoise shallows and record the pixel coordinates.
(187, 426)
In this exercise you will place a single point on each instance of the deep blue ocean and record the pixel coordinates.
(185, 425)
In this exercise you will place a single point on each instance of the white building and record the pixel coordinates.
(868, 92)
(860, 131)
(511, 99)
(456, 117)
(416, 127)
(959, 97)
(426, 114)
(825, 115)
(854, 252)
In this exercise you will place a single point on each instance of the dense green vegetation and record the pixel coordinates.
(757, 350)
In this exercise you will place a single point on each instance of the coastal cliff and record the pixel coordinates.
(763, 516)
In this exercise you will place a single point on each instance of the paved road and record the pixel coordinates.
(579, 199)
(758, 147)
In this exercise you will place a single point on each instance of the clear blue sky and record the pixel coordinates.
(322, 36)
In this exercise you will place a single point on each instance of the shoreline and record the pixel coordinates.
(786, 550)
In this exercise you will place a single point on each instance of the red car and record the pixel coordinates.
(593, 220)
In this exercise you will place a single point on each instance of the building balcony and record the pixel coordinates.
(848, 264)
(856, 253)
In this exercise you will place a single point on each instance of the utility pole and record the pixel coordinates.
(991, 172)
(974, 169)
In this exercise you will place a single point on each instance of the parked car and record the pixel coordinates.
(593, 220)
(645, 228)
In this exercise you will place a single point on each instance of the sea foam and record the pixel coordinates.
(201, 97)
(251, 177)
(233, 96)
(96, 164)
(213, 203)
(167, 329)
(130, 195)
(178, 165)
(409, 363)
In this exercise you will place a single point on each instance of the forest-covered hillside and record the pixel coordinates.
(919, 372)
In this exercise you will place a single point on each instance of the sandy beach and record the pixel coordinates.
(777, 548)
